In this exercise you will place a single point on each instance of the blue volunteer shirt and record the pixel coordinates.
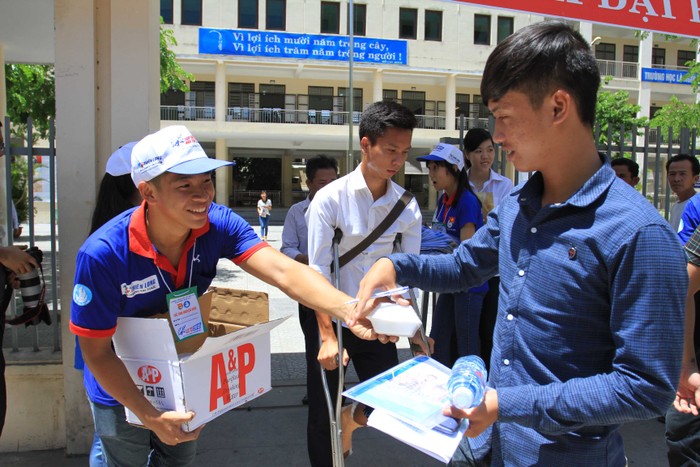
(690, 218)
(117, 272)
(589, 332)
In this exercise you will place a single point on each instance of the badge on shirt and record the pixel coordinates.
(185, 313)
(438, 227)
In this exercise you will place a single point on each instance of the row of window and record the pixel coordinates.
(202, 94)
(630, 53)
(275, 19)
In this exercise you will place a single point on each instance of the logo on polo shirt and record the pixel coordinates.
(146, 285)
(81, 295)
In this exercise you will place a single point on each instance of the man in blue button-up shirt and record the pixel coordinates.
(590, 324)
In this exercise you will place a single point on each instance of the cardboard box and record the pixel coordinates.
(208, 374)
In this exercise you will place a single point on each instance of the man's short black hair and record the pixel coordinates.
(631, 165)
(382, 115)
(317, 163)
(538, 59)
(694, 164)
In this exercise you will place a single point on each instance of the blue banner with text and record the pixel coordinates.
(658, 75)
(300, 46)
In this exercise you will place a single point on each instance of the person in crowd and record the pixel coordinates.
(682, 172)
(491, 188)
(455, 319)
(264, 208)
(320, 171)
(586, 339)
(13, 261)
(682, 421)
(626, 169)
(356, 204)
(128, 267)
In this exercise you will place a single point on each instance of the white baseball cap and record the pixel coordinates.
(119, 163)
(445, 152)
(172, 149)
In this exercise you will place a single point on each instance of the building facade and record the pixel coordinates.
(272, 78)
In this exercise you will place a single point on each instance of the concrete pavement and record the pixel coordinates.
(272, 429)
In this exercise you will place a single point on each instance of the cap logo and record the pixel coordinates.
(189, 139)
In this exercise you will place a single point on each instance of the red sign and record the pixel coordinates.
(676, 17)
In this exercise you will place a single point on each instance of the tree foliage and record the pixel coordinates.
(676, 115)
(30, 93)
(614, 112)
(172, 76)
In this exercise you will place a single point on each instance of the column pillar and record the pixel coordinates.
(450, 102)
(224, 175)
(645, 47)
(287, 159)
(220, 91)
(377, 86)
(4, 233)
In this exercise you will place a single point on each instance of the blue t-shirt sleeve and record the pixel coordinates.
(96, 297)
(238, 237)
(469, 211)
(689, 220)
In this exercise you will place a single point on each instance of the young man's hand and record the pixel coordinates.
(168, 427)
(688, 392)
(328, 355)
(480, 417)
(382, 276)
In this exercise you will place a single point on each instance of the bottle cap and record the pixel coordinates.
(462, 398)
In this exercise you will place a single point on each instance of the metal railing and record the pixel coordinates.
(626, 70)
(38, 342)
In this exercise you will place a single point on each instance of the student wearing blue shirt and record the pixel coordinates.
(589, 331)
(455, 322)
(130, 265)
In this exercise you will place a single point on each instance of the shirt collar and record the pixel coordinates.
(530, 193)
(357, 183)
(140, 244)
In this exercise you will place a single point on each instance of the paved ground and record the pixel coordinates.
(272, 429)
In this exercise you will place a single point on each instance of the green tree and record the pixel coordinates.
(615, 112)
(30, 93)
(172, 76)
(676, 115)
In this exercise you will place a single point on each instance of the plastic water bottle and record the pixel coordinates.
(467, 382)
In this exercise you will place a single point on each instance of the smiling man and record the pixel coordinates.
(587, 336)
(132, 265)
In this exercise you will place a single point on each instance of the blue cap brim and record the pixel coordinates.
(430, 157)
(199, 166)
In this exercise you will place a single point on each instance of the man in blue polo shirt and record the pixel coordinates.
(132, 265)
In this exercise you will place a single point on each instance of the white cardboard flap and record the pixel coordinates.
(213, 343)
(136, 337)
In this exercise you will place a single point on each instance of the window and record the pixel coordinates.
(414, 101)
(321, 97)
(360, 19)
(172, 98)
(433, 25)
(605, 51)
(275, 15)
(685, 56)
(239, 94)
(166, 11)
(462, 101)
(408, 20)
(630, 53)
(391, 95)
(356, 99)
(192, 12)
(330, 18)
(248, 14)
(658, 56)
(272, 96)
(478, 108)
(201, 94)
(505, 28)
(482, 29)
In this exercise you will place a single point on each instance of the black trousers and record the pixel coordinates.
(369, 359)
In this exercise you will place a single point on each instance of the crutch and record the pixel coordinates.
(414, 303)
(334, 413)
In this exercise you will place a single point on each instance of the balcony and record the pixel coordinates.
(624, 70)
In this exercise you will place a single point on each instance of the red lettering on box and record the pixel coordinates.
(149, 374)
(246, 363)
(219, 388)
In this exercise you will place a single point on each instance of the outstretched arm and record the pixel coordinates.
(688, 392)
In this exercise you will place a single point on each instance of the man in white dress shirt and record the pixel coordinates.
(356, 204)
